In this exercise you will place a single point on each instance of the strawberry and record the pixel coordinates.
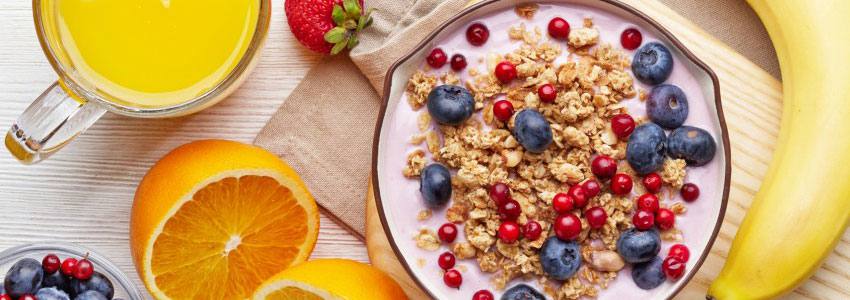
(327, 26)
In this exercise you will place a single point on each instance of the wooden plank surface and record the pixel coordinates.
(752, 106)
(84, 193)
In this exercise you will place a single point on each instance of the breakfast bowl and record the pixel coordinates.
(122, 286)
(483, 141)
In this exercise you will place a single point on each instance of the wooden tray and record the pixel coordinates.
(752, 107)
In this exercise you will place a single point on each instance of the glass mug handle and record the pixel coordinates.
(49, 123)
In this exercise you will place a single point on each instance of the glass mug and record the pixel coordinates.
(138, 58)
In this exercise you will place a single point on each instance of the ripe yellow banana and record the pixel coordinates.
(803, 206)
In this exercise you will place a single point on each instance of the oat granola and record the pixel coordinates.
(483, 152)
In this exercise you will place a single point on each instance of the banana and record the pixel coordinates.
(803, 205)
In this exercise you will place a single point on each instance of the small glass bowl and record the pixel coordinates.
(124, 288)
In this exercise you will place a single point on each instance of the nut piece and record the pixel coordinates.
(584, 37)
(606, 261)
(427, 240)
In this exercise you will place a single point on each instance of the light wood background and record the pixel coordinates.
(84, 193)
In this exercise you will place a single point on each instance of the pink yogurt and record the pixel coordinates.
(402, 200)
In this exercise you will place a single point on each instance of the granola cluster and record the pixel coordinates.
(591, 84)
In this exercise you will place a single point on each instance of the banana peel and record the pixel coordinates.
(803, 206)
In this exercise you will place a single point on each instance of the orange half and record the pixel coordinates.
(215, 219)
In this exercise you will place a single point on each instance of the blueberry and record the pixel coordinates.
(56, 280)
(97, 283)
(435, 184)
(560, 259)
(649, 275)
(532, 131)
(450, 104)
(90, 295)
(667, 106)
(638, 246)
(694, 145)
(51, 293)
(646, 148)
(653, 63)
(522, 292)
(23, 278)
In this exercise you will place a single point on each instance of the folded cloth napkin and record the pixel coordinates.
(325, 127)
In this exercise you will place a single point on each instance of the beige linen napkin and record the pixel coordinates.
(324, 129)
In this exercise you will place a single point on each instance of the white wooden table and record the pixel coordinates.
(84, 193)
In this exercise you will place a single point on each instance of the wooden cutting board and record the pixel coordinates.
(752, 105)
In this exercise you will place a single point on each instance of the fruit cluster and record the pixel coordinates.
(541, 121)
(55, 279)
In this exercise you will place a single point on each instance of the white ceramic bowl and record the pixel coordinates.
(399, 199)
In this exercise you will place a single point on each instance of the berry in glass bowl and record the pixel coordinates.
(92, 276)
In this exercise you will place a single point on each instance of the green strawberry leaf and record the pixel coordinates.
(364, 20)
(336, 35)
(352, 7)
(339, 47)
(350, 24)
(338, 15)
(352, 42)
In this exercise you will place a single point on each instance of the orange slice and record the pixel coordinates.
(215, 219)
(330, 279)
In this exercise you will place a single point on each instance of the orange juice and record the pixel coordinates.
(150, 53)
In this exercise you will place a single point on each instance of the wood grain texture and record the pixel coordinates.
(83, 194)
(752, 105)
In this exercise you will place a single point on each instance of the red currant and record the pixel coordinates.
(477, 34)
(500, 193)
(680, 251)
(673, 267)
(458, 62)
(437, 58)
(643, 220)
(603, 166)
(579, 195)
(509, 232)
(68, 266)
(591, 188)
(690, 192)
(483, 295)
(563, 203)
(446, 260)
(648, 202)
(532, 230)
(452, 278)
(503, 110)
(50, 264)
(596, 217)
(505, 72)
(27, 297)
(559, 28)
(547, 93)
(567, 227)
(623, 125)
(5, 297)
(447, 232)
(84, 270)
(652, 183)
(510, 210)
(665, 218)
(631, 39)
(621, 184)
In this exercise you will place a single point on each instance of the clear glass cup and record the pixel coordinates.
(124, 288)
(73, 104)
